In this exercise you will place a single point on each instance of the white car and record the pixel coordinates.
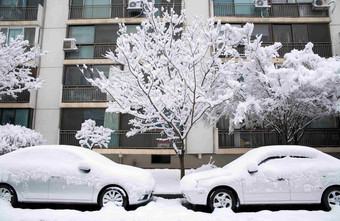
(268, 175)
(70, 174)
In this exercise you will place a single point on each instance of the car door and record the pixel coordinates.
(67, 182)
(269, 185)
(306, 181)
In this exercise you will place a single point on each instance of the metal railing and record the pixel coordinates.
(251, 139)
(82, 94)
(23, 97)
(89, 51)
(323, 49)
(276, 10)
(112, 11)
(9, 13)
(120, 140)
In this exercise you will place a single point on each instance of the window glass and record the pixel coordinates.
(83, 34)
(319, 32)
(300, 33)
(279, 1)
(97, 8)
(73, 76)
(71, 119)
(106, 33)
(32, 3)
(325, 123)
(95, 114)
(8, 116)
(162, 159)
(131, 28)
(103, 68)
(29, 34)
(77, 2)
(282, 33)
(264, 30)
(21, 117)
(6, 2)
(13, 33)
(124, 121)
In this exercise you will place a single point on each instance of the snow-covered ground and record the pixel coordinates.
(159, 209)
(167, 182)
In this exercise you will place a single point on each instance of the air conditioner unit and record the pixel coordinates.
(70, 44)
(321, 4)
(135, 5)
(261, 4)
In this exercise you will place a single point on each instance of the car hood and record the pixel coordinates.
(191, 180)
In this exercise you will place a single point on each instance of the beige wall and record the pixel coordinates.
(49, 97)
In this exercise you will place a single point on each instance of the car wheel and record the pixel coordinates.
(8, 194)
(331, 198)
(222, 198)
(114, 195)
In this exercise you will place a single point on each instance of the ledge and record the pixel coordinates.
(87, 61)
(19, 23)
(84, 105)
(136, 151)
(104, 21)
(244, 150)
(273, 20)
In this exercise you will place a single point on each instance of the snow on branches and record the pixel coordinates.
(16, 63)
(91, 135)
(13, 137)
(288, 99)
(172, 77)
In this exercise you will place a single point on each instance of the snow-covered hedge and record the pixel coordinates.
(13, 137)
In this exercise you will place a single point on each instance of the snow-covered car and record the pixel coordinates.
(268, 175)
(70, 174)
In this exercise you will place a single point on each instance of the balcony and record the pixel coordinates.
(23, 97)
(323, 49)
(93, 51)
(251, 139)
(82, 94)
(8, 13)
(276, 10)
(119, 140)
(111, 11)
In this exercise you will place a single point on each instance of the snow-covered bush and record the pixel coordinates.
(16, 63)
(91, 135)
(13, 137)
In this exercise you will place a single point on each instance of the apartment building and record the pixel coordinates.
(67, 99)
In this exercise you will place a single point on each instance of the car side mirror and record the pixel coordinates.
(252, 167)
(84, 167)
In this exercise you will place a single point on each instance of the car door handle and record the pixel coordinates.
(281, 179)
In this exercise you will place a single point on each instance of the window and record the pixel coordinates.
(282, 33)
(300, 33)
(71, 119)
(16, 117)
(73, 75)
(29, 34)
(332, 122)
(264, 30)
(94, 41)
(160, 159)
(319, 33)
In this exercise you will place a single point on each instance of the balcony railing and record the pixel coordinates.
(83, 94)
(120, 140)
(8, 13)
(23, 97)
(323, 49)
(276, 10)
(251, 139)
(91, 51)
(111, 11)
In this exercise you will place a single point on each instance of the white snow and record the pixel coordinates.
(160, 209)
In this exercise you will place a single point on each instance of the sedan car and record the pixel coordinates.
(268, 175)
(70, 174)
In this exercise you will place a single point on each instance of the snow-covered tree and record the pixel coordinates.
(91, 135)
(13, 137)
(287, 100)
(174, 75)
(16, 63)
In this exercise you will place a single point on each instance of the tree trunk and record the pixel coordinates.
(181, 163)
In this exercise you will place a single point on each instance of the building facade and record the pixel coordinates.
(66, 99)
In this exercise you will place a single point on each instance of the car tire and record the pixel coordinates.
(114, 195)
(8, 194)
(222, 198)
(331, 198)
